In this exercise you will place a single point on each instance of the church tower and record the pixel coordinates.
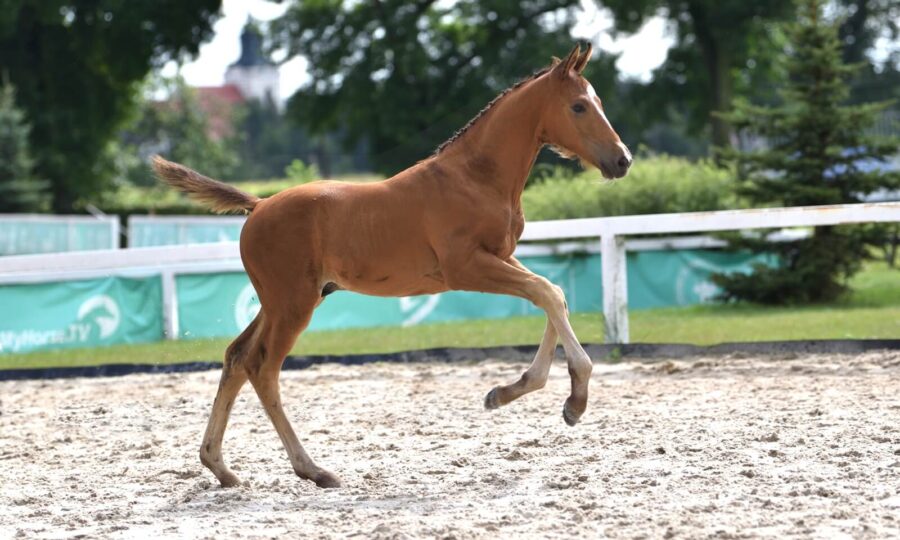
(253, 74)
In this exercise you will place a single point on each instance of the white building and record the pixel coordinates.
(253, 74)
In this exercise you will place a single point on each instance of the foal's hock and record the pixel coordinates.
(449, 222)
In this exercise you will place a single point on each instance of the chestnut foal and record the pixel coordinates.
(449, 222)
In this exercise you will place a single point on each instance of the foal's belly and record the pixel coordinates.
(397, 286)
(378, 280)
(397, 270)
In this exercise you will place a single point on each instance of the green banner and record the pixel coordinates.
(216, 305)
(27, 237)
(681, 277)
(83, 313)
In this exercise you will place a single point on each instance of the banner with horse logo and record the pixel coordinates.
(84, 313)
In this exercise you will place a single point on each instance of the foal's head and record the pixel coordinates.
(574, 121)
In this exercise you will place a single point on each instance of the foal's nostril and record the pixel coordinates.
(624, 162)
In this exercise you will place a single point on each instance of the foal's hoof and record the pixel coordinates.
(327, 480)
(229, 480)
(491, 401)
(570, 416)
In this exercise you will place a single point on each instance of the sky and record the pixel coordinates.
(641, 52)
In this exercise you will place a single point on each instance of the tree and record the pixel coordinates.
(19, 190)
(270, 142)
(819, 153)
(862, 23)
(406, 75)
(181, 129)
(78, 67)
(722, 46)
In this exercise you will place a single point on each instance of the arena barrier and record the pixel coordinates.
(23, 234)
(126, 303)
(193, 291)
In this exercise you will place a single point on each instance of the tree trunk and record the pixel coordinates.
(720, 77)
(718, 67)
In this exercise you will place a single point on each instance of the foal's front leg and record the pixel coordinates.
(534, 378)
(484, 272)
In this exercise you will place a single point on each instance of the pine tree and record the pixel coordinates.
(19, 190)
(817, 152)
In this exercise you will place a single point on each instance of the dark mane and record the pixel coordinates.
(461, 131)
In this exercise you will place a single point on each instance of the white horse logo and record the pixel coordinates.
(103, 311)
(246, 307)
(419, 309)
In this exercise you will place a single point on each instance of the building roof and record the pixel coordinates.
(227, 93)
(218, 102)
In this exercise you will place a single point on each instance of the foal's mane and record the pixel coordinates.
(461, 131)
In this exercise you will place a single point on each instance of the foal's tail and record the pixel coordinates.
(219, 196)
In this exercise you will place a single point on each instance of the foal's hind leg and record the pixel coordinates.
(233, 378)
(281, 332)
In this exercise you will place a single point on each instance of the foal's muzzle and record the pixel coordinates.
(615, 163)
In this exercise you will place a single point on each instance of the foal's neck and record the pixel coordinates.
(500, 148)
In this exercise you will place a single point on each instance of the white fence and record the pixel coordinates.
(170, 260)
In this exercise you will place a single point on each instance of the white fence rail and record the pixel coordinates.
(225, 256)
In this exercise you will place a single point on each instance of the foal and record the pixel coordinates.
(450, 222)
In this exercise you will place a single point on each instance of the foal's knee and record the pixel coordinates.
(552, 299)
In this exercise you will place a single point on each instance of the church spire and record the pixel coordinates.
(251, 46)
(254, 74)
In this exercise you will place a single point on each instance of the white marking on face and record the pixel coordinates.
(595, 101)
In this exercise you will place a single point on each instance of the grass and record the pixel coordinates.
(872, 310)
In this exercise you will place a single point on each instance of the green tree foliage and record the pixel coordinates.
(78, 67)
(863, 23)
(723, 48)
(270, 142)
(19, 190)
(818, 153)
(406, 75)
(179, 128)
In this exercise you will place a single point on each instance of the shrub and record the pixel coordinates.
(655, 185)
(301, 173)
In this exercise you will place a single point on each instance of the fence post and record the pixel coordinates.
(615, 288)
(115, 230)
(170, 305)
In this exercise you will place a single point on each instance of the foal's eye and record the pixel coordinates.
(578, 108)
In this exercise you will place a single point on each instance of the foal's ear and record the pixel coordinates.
(583, 59)
(562, 69)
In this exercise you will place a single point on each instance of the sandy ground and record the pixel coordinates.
(727, 447)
